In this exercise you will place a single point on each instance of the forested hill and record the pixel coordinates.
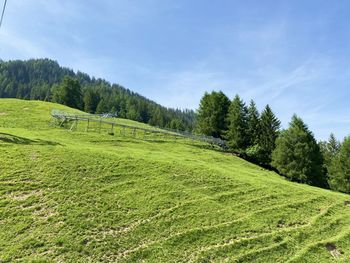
(37, 79)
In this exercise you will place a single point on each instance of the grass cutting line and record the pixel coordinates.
(202, 228)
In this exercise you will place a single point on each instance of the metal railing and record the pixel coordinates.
(64, 117)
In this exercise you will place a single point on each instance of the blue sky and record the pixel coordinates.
(293, 55)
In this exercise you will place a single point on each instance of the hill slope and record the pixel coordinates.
(36, 79)
(87, 197)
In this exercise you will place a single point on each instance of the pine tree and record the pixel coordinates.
(297, 155)
(254, 128)
(91, 100)
(212, 112)
(237, 135)
(329, 150)
(339, 170)
(333, 145)
(101, 107)
(254, 151)
(68, 93)
(269, 125)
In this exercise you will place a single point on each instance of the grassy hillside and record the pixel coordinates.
(89, 197)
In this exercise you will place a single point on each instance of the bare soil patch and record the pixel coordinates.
(336, 253)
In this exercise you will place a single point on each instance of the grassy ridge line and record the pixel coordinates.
(92, 197)
(15, 113)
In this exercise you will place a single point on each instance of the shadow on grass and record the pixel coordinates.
(209, 147)
(156, 141)
(9, 138)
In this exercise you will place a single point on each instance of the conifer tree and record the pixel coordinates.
(212, 112)
(91, 100)
(339, 170)
(329, 150)
(237, 135)
(254, 151)
(269, 131)
(297, 155)
(254, 128)
(68, 93)
(101, 107)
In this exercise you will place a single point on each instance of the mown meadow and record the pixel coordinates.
(77, 196)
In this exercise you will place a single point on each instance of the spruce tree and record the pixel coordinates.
(329, 150)
(339, 170)
(237, 135)
(254, 128)
(91, 100)
(68, 93)
(101, 107)
(212, 112)
(269, 131)
(297, 155)
(254, 151)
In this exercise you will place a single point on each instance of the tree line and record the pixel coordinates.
(46, 80)
(258, 137)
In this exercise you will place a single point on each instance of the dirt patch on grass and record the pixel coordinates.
(332, 249)
(45, 212)
(25, 195)
(33, 156)
(3, 113)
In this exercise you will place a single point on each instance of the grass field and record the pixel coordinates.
(89, 197)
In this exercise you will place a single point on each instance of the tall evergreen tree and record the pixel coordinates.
(68, 93)
(212, 112)
(329, 150)
(254, 128)
(339, 170)
(254, 151)
(237, 135)
(297, 155)
(101, 107)
(269, 127)
(91, 100)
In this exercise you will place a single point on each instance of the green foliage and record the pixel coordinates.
(237, 118)
(329, 150)
(255, 153)
(102, 107)
(339, 169)
(212, 112)
(297, 155)
(91, 100)
(68, 93)
(269, 131)
(177, 124)
(253, 124)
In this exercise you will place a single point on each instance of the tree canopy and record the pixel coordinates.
(237, 118)
(212, 113)
(339, 169)
(297, 154)
(68, 93)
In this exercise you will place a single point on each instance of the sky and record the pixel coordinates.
(292, 55)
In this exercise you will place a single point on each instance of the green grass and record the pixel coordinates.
(90, 197)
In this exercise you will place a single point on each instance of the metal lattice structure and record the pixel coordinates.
(71, 120)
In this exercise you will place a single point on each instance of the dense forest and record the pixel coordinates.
(45, 79)
(293, 152)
